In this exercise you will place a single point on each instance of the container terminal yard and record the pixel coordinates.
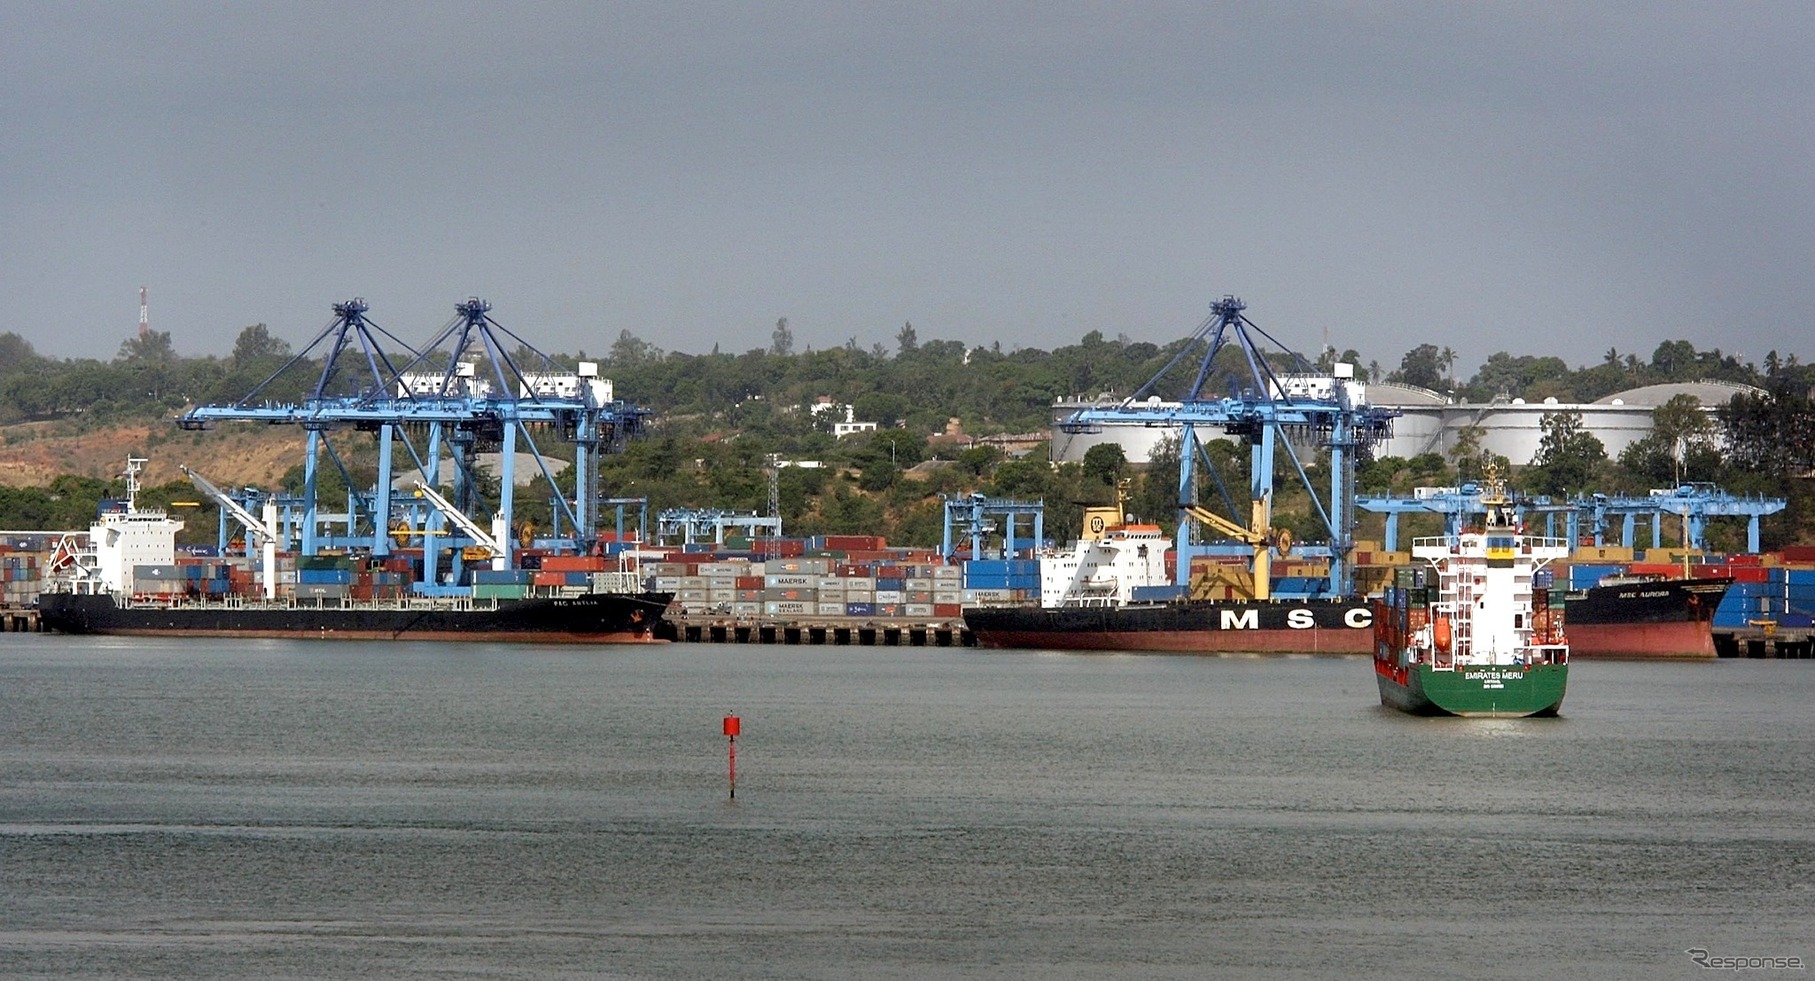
(401, 545)
(858, 590)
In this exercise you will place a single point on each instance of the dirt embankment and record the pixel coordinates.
(34, 454)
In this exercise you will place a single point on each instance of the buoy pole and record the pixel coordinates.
(733, 725)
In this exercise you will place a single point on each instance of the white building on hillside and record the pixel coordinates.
(848, 424)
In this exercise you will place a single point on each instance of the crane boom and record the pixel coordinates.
(263, 530)
(1261, 539)
(484, 539)
(228, 504)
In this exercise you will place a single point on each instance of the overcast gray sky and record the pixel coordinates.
(1531, 177)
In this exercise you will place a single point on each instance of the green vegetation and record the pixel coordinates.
(721, 418)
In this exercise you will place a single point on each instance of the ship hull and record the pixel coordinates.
(1185, 628)
(1482, 691)
(592, 618)
(1671, 618)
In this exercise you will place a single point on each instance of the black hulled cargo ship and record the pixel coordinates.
(1189, 626)
(125, 578)
(1093, 598)
(587, 618)
(1646, 616)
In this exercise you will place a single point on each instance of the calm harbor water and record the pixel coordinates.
(297, 809)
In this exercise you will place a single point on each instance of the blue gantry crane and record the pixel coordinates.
(1270, 408)
(694, 525)
(474, 386)
(1590, 516)
(971, 516)
(1693, 504)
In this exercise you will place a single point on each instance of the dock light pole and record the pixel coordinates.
(733, 725)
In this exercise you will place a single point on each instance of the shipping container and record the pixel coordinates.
(501, 591)
(573, 563)
(800, 594)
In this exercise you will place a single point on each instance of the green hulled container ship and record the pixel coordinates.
(1475, 628)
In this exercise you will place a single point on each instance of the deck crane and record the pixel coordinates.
(1267, 410)
(263, 530)
(495, 541)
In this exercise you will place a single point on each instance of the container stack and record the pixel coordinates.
(834, 576)
(20, 576)
(324, 577)
(1001, 582)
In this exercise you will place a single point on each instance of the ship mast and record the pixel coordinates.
(134, 464)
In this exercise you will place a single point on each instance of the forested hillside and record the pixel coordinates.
(720, 416)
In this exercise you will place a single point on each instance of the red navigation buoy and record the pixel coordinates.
(733, 726)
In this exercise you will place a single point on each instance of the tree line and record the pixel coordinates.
(721, 418)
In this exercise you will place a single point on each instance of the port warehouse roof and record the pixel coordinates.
(1429, 421)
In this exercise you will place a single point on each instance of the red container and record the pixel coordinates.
(845, 543)
(948, 609)
(573, 563)
(1749, 573)
(749, 582)
(549, 579)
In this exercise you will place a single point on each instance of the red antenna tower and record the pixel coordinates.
(144, 314)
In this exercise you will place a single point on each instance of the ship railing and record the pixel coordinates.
(1539, 654)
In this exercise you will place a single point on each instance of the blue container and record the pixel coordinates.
(891, 584)
(1584, 576)
(860, 609)
(501, 577)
